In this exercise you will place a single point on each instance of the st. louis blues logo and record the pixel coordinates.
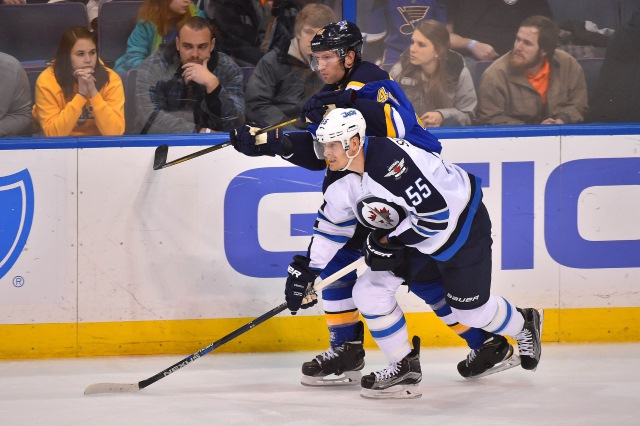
(396, 169)
(16, 216)
(374, 212)
(411, 15)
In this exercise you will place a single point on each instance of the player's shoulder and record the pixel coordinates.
(380, 150)
(338, 178)
(366, 72)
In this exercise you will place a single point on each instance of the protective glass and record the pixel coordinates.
(324, 58)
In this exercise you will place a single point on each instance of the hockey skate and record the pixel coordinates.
(529, 339)
(495, 355)
(398, 381)
(337, 366)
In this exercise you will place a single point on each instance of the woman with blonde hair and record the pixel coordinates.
(77, 95)
(435, 79)
(157, 22)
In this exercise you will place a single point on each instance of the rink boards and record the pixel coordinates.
(101, 255)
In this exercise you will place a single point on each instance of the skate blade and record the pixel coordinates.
(541, 312)
(394, 392)
(349, 378)
(512, 361)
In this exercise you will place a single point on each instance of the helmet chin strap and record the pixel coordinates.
(351, 158)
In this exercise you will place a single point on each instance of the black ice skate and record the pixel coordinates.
(529, 339)
(399, 380)
(337, 366)
(495, 355)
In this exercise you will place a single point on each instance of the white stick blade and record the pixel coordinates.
(111, 388)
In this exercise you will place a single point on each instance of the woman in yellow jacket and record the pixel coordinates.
(77, 95)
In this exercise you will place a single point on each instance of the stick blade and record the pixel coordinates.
(160, 158)
(112, 388)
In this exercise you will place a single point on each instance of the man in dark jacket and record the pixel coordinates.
(190, 86)
(618, 89)
(283, 80)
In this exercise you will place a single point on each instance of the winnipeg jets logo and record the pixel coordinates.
(375, 212)
(382, 215)
(411, 15)
(396, 170)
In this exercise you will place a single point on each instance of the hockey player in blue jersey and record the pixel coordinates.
(445, 228)
(337, 56)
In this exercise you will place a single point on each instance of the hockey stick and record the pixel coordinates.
(135, 387)
(160, 157)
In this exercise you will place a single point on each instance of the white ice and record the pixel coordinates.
(590, 384)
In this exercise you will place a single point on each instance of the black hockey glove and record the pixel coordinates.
(316, 107)
(299, 292)
(382, 257)
(244, 141)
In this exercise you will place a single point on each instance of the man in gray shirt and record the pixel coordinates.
(15, 98)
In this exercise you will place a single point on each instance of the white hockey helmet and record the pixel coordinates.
(341, 124)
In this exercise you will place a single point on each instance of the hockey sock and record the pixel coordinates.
(340, 312)
(433, 295)
(390, 333)
(497, 316)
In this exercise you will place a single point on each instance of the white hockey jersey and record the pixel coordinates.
(427, 203)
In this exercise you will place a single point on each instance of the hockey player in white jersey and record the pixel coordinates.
(446, 230)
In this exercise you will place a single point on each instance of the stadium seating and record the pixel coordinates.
(31, 32)
(591, 68)
(116, 20)
(477, 70)
(246, 74)
(604, 13)
(129, 83)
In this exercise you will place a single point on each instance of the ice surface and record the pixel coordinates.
(591, 384)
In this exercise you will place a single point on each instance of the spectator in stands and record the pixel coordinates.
(484, 29)
(283, 79)
(618, 89)
(77, 95)
(156, 27)
(93, 7)
(535, 82)
(242, 25)
(389, 26)
(435, 79)
(15, 98)
(189, 86)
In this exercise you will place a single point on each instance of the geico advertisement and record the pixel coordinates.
(97, 235)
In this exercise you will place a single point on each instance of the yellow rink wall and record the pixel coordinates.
(281, 333)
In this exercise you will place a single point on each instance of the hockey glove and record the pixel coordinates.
(382, 257)
(316, 107)
(299, 292)
(246, 142)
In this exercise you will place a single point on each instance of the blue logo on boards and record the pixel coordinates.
(563, 241)
(16, 216)
(241, 205)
